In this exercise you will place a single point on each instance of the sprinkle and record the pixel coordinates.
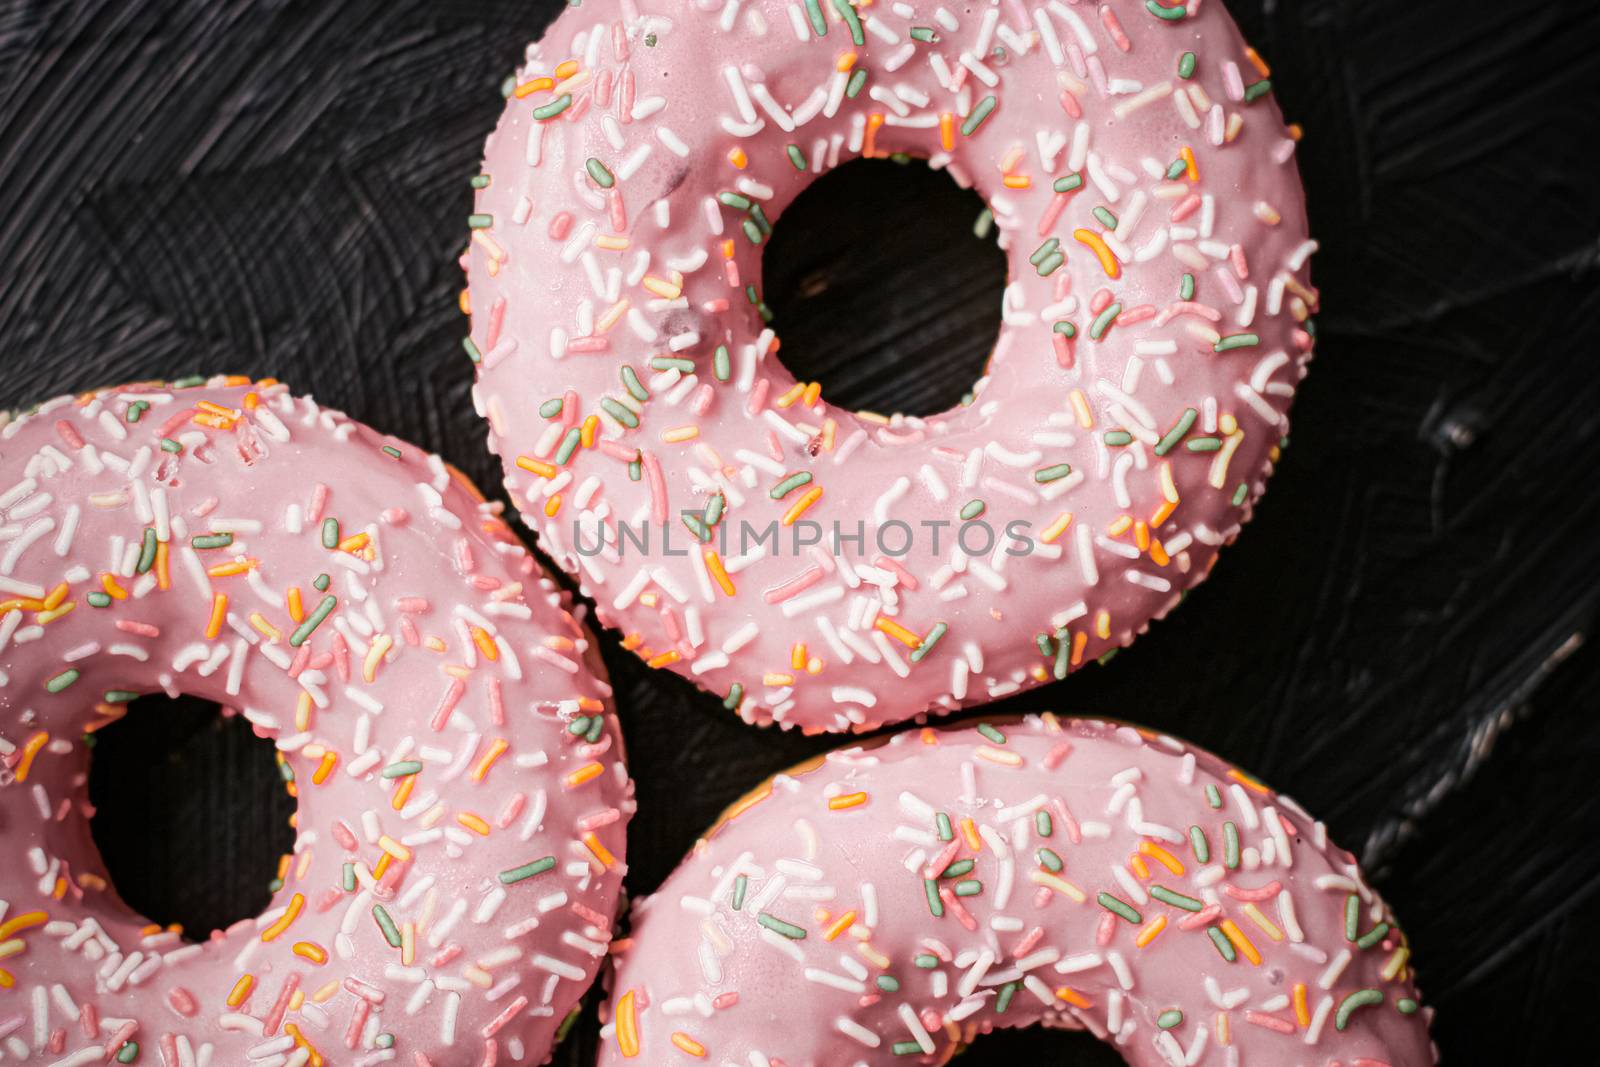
(323, 609)
(981, 112)
(555, 107)
(1186, 64)
(1119, 908)
(972, 509)
(1235, 340)
(1361, 998)
(1172, 1016)
(1102, 322)
(1224, 947)
(789, 485)
(63, 680)
(778, 926)
(1177, 900)
(527, 870)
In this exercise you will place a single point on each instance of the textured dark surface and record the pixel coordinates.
(279, 188)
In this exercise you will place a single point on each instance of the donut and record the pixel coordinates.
(461, 791)
(889, 903)
(805, 561)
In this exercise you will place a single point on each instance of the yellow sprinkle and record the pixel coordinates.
(241, 990)
(601, 853)
(683, 1040)
(846, 800)
(472, 822)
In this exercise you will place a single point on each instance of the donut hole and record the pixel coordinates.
(1036, 1044)
(190, 813)
(882, 289)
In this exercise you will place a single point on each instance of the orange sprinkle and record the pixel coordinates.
(846, 800)
(1141, 535)
(1302, 1012)
(719, 573)
(29, 751)
(679, 434)
(7, 979)
(1151, 931)
(1240, 942)
(601, 853)
(1016, 181)
(590, 430)
(536, 466)
(355, 542)
(845, 61)
(497, 748)
(1256, 61)
(293, 604)
(1191, 170)
(472, 822)
(947, 131)
(552, 506)
(1162, 856)
(664, 659)
(874, 121)
(241, 990)
(310, 950)
(566, 69)
(163, 577)
(627, 1026)
(219, 610)
(737, 157)
(402, 792)
(1079, 641)
(587, 773)
(797, 656)
(812, 394)
(1073, 997)
(18, 923)
(485, 643)
(1139, 867)
(1108, 261)
(898, 632)
(325, 768)
(296, 904)
(969, 830)
(688, 1044)
(801, 506)
(58, 594)
(1158, 553)
(109, 583)
(839, 926)
(1163, 513)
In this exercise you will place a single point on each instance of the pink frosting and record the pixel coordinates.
(620, 182)
(462, 796)
(891, 903)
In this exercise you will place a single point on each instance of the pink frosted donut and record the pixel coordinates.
(807, 561)
(462, 797)
(888, 904)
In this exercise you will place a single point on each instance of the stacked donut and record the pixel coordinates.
(462, 800)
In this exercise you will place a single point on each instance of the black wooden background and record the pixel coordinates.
(1404, 638)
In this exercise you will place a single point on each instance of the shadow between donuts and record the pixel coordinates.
(191, 816)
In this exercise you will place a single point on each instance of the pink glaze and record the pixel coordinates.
(574, 280)
(487, 966)
(799, 931)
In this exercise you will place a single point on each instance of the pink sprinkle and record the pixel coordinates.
(166, 429)
(1052, 212)
(618, 212)
(593, 918)
(302, 658)
(1241, 266)
(1269, 1022)
(68, 434)
(658, 486)
(599, 819)
(1188, 307)
(319, 500)
(341, 656)
(1099, 301)
(89, 1020)
(1069, 103)
(120, 1038)
(1114, 28)
(358, 1020)
(725, 1000)
(143, 629)
(274, 1019)
(1266, 892)
(395, 516)
(619, 42)
(758, 398)
(798, 584)
(361, 989)
(1136, 315)
(904, 575)
(625, 99)
(1053, 758)
(1065, 356)
(588, 345)
(447, 705)
(346, 839)
(715, 307)
(953, 903)
(499, 1021)
(1186, 207)
(497, 317)
(513, 808)
(602, 87)
(1030, 939)
(1200, 918)
(497, 704)
(1106, 930)
(942, 860)
(560, 226)
(182, 1002)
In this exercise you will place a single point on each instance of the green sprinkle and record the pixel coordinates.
(216, 540)
(991, 733)
(721, 364)
(1186, 287)
(1213, 796)
(734, 200)
(957, 869)
(1052, 473)
(546, 112)
(128, 1052)
(972, 509)
(1175, 169)
(1256, 90)
(796, 157)
(619, 412)
(1406, 1006)
(1118, 438)
(348, 883)
(1046, 645)
(569, 444)
(391, 451)
(1240, 493)
(1107, 219)
(970, 887)
(942, 822)
(789, 485)
(402, 769)
(714, 505)
(1198, 842)
(888, 983)
(321, 581)
(1184, 424)
(479, 181)
(1051, 264)
(751, 231)
(819, 25)
(1066, 329)
(1068, 182)
(697, 526)
(1224, 946)
(1372, 936)
(1352, 917)
(472, 350)
(1361, 998)
(1235, 340)
(734, 698)
(924, 34)
(169, 445)
(741, 885)
(980, 227)
(685, 366)
(858, 79)
(851, 19)
(778, 926)
(929, 639)
(1042, 823)
(931, 890)
(1204, 444)
(527, 870)
(1230, 846)
(1186, 65)
(984, 109)
(635, 470)
(147, 551)
(905, 1048)
(926, 961)
(480, 222)
(1049, 860)
(136, 411)
(630, 379)
(120, 696)
(1172, 1016)
(63, 680)
(190, 382)
(1003, 1001)
(597, 726)
(1170, 14)
(1102, 322)
(1044, 250)
(1063, 651)
(304, 630)
(1177, 900)
(1120, 908)
(391, 932)
(330, 533)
